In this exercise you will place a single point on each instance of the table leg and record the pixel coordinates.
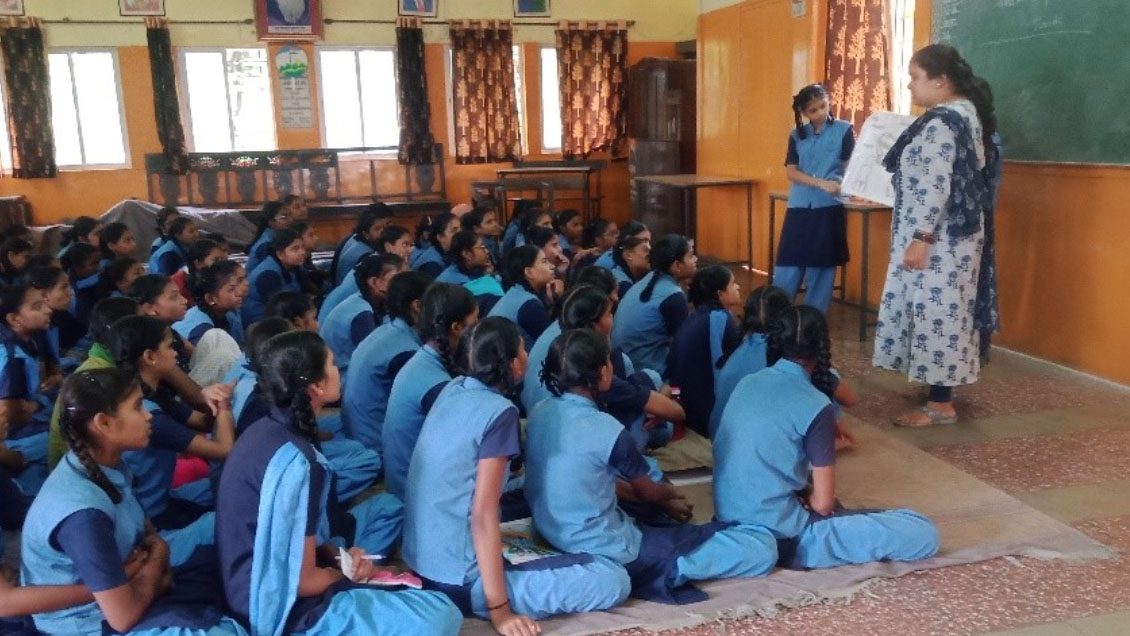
(772, 238)
(863, 275)
(688, 224)
(749, 224)
(639, 211)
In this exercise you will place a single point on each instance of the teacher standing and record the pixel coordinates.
(939, 306)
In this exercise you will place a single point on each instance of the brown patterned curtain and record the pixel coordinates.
(486, 108)
(28, 101)
(856, 69)
(592, 69)
(416, 140)
(166, 106)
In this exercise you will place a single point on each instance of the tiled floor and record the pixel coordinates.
(1056, 440)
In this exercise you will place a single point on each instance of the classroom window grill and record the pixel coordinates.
(86, 108)
(358, 90)
(229, 99)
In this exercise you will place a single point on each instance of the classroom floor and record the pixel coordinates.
(1052, 438)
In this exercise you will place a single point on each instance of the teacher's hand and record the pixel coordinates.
(916, 255)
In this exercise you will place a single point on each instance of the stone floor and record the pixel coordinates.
(1057, 440)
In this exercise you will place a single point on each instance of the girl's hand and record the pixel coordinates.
(363, 569)
(679, 509)
(844, 437)
(135, 562)
(218, 397)
(508, 623)
(915, 255)
(554, 290)
(829, 186)
(51, 382)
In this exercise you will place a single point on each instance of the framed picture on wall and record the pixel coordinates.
(11, 7)
(141, 7)
(531, 8)
(288, 19)
(422, 8)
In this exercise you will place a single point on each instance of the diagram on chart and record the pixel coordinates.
(866, 177)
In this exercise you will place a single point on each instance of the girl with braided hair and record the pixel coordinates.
(87, 527)
(220, 289)
(779, 426)
(532, 289)
(276, 513)
(452, 506)
(446, 311)
(363, 311)
(471, 267)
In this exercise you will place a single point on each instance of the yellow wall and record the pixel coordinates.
(1061, 229)
(658, 26)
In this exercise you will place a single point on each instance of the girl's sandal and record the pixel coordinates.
(924, 417)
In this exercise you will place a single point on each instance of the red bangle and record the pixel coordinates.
(925, 237)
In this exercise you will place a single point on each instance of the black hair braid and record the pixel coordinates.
(82, 451)
(443, 345)
(666, 252)
(304, 419)
(822, 376)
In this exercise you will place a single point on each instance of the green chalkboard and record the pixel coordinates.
(1060, 72)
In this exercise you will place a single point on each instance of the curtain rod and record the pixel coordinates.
(540, 23)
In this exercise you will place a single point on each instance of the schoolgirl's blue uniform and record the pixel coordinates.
(644, 329)
(525, 309)
(414, 391)
(19, 380)
(197, 322)
(774, 427)
(605, 260)
(260, 249)
(703, 338)
(275, 492)
(87, 293)
(336, 296)
(74, 534)
(267, 279)
(574, 456)
(814, 235)
(485, 288)
(428, 260)
(351, 253)
(470, 422)
(346, 326)
(167, 258)
(748, 358)
(374, 366)
(623, 279)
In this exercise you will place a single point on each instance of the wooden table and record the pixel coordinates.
(691, 183)
(548, 173)
(860, 206)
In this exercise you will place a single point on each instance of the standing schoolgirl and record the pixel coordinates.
(24, 389)
(204, 252)
(778, 424)
(116, 240)
(81, 264)
(707, 335)
(451, 531)
(86, 526)
(273, 218)
(275, 515)
(14, 254)
(172, 254)
(370, 223)
(389, 263)
(575, 457)
(219, 290)
(653, 309)
(531, 289)
(445, 312)
(278, 271)
(84, 229)
(761, 309)
(814, 236)
(378, 359)
(359, 314)
(484, 223)
(630, 229)
(471, 267)
(432, 257)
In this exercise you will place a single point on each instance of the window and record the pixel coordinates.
(902, 47)
(358, 89)
(5, 145)
(519, 95)
(86, 111)
(550, 101)
(229, 100)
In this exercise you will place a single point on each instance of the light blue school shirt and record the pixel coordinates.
(420, 380)
(639, 328)
(369, 380)
(820, 156)
(510, 306)
(748, 358)
(197, 322)
(337, 330)
(260, 249)
(351, 253)
(533, 390)
(336, 296)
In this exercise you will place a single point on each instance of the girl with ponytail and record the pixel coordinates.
(532, 290)
(455, 483)
(777, 433)
(653, 309)
(433, 256)
(277, 474)
(87, 528)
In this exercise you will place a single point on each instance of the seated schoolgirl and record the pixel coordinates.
(66, 332)
(359, 314)
(274, 499)
(165, 217)
(761, 309)
(512, 233)
(446, 311)
(600, 235)
(531, 291)
(778, 429)
(631, 261)
(546, 239)
(362, 242)
(395, 240)
(432, 257)
(577, 455)
(652, 311)
(570, 226)
(14, 254)
(118, 274)
(81, 264)
(471, 267)
(272, 218)
(219, 290)
(483, 221)
(378, 359)
(294, 307)
(105, 313)
(116, 240)
(348, 287)
(172, 254)
(704, 338)
(203, 253)
(278, 271)
(84, 229)
(630, 229)
(311, 279)
(455, 479)
(27, 384)
(86, 526)
(143, 346)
